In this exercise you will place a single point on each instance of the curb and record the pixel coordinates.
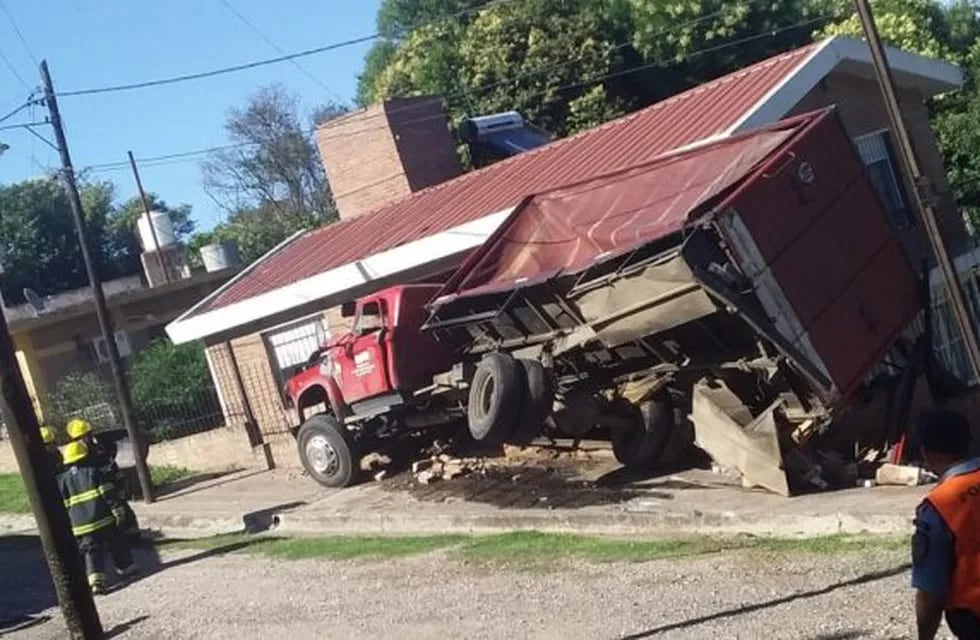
(623, 523)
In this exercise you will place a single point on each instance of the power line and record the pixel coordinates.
(248, 23)
(13, 23)
(13, 70)
(259, 63)
(491, 85)
(176, 158)
(11, 114)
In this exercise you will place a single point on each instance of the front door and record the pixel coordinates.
(365, 373)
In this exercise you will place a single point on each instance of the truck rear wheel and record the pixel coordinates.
(539, 397)
(641, 446)
(496, 396)
(328, 451)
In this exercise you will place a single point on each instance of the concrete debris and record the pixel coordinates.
(899, 475)
(421, 465)
(381, 475)
(446, 467)
(375, 461)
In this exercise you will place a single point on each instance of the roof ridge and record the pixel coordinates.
(618, 122)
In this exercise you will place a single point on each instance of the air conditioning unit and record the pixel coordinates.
(102, 352)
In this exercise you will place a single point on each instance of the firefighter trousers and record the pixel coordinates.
(94, 548)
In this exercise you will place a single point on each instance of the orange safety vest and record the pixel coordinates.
(957, 499)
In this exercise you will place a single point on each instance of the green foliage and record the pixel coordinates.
(913, 25)
(162, 476)
(38, 241)
(172, 389)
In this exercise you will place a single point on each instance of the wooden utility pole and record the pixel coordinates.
(101, 312)
(149, 218)
(922, 192)
(53, 525)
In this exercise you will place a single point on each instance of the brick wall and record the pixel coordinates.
(385, 152)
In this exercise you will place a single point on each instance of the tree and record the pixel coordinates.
(271, 182)
(273, 161)
(38, 241)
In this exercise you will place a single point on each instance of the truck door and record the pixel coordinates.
(366, 374)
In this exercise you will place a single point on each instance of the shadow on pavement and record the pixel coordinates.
(730, 613)
(26, 589)
(851, 634)
(120, 629)
(265, 519)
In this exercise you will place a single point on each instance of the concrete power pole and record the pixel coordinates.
(921, 189)
(101, 312)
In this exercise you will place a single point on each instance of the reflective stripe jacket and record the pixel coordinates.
(90, 498)
(957, 499)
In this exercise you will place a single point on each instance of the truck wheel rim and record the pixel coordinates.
(486, 395)
(322, 455)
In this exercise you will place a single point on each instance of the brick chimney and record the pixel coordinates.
(386, 152)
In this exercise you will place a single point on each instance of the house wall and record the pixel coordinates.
(51, 348)
(255, 365)
(862, 111)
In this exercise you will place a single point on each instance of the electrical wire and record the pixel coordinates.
(13, 23)
(299, 67)
(175, 158)
(15, 111)
(13, 70)
(390, 112)
(259, 63)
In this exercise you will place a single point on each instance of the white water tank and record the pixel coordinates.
(220, 255)
(163, 227)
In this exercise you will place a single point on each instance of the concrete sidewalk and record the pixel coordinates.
(686, 503)
(692, 502)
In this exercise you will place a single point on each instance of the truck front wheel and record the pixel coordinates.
(328, 451)
(496, 396)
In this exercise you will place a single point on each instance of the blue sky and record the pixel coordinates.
(90, 43)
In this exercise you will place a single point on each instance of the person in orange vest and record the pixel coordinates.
(946, 544)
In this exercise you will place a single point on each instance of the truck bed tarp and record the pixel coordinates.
(572, 228)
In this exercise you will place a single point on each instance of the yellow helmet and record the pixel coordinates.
(47, 435)
(73, 452)
(78, 428)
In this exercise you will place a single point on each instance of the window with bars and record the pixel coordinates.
(878, 157)
(290, 346)
(947, 339)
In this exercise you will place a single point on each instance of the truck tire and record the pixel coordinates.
(641, 447)
(328, 451)
(539, 397)
(496, 396)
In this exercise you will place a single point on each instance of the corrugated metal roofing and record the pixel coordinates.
(694, 115)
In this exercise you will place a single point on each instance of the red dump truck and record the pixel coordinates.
(761, 264)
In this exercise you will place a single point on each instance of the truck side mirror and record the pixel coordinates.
(348, 309)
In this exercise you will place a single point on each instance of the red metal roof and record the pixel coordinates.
(694, 115)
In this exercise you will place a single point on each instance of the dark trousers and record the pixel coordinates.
(964, 624)
(94, 547)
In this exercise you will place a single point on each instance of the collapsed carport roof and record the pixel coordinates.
(573, 228)
(326, 266)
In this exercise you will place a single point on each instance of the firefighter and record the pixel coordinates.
(945, 556)
(96, 515)
(103, 453)
(50, 446)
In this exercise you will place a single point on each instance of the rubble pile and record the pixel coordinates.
(446, 467)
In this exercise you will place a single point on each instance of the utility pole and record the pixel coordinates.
(101, 312)
(54, 527)
(149, 218)
(922, 192)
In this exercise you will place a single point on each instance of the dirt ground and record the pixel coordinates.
(208, 594)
